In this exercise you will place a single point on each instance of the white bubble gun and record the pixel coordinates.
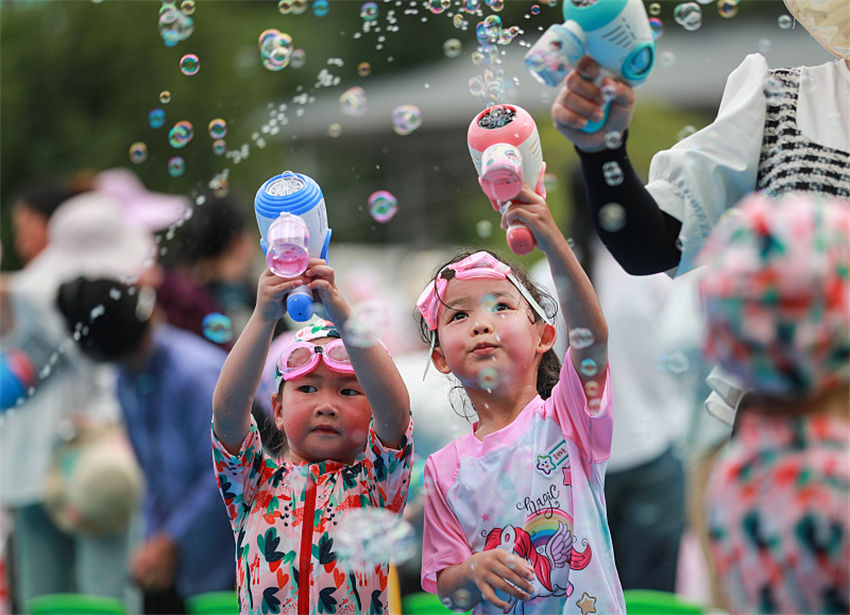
(505, 149)
(293, 223)
(615, 33)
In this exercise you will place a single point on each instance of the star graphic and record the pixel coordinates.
(568, 478)
(485, 517)
(587, 604)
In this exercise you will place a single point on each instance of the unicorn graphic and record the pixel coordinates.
(556, 552)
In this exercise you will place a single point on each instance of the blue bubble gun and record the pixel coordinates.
(293, 223)
(615, 33)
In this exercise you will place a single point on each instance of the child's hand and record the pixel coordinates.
(497, 569)
(530, 209)
(320, 278)
(271, 290)
(581, 100)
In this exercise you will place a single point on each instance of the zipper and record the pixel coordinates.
(306, 555)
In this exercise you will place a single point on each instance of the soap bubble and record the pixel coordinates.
(367, 537)
(685, 132)
(366, 321)
(495, 5)
(352, 102)
(459, 22)
(588, 368)
(785, 21)
(535, 9)
(470, 6)
(550, 182)
(180, 134)
(488, 378)
(321, 8)
(773, 90)
(298, 58)
(675, 362)
(667, 59)
(438, 6)
(156, 118)
(138, 152)
(613, 139)
(688, 15)
(187, 7)
(219, 147)
(364, 69)
(275, 49)
(217, 328)
(369, 11)
(189, 64)
(299, 7)
(612, 173)
(284, 7)
(612, 217)
(165, 97)
(334, 130)
(217, 128)
(452, 48)
(657, 27)
(176, 166)
(483, 228)
(382, 206)
(406, 119)
(174, 25)
(727, 8)
(580, 338)
(655, 8)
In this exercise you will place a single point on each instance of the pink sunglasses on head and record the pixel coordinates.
(301, 358)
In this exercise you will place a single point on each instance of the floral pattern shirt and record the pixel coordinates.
(287, 566)
(778, 502)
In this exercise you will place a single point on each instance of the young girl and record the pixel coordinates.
(514, 513)
(345, 413)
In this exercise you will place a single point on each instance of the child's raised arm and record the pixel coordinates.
(375, 369)
(240, 375)
(576, 296)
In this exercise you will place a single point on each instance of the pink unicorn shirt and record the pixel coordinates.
(534, 488)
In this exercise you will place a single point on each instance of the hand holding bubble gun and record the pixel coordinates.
(614, 33)
(505, 149)
(293, 223)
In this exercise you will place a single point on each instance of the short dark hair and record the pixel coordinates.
(43, 196)
(549, 368)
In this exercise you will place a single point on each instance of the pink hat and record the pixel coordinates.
(152, 210)
(777, 293)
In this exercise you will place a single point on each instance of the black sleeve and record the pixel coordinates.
(646, 242)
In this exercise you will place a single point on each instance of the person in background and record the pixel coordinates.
(166, 378)
(776, 293)
(644, 480)
(776, 130)
(32, 206)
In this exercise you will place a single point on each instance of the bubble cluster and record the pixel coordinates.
(180, 134)
(438, 6)
(176, 166)
(275, 49)
(488, 378)
(406, 119)
(217, 128)
(580, 337)
(156, 118)
(688, 15)
(174, 25)
(352, 102)
(189, 64)
(217, 328)
(612, 217)
(612, 173)
(366, 537)
(138, 152)
(382, 206)
(452, 48)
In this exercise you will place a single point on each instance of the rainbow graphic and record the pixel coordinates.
(541, 528)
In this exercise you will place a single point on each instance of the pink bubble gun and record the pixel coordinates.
(505, 149)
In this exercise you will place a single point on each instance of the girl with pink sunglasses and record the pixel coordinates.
(345, 414)
(514, 510)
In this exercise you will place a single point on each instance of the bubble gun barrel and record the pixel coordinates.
(615, 33)
(505, 149)
(293, 223)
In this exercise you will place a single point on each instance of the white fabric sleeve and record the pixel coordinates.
(705, 174)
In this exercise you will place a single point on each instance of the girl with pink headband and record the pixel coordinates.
(345, 414)
(514, 510)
